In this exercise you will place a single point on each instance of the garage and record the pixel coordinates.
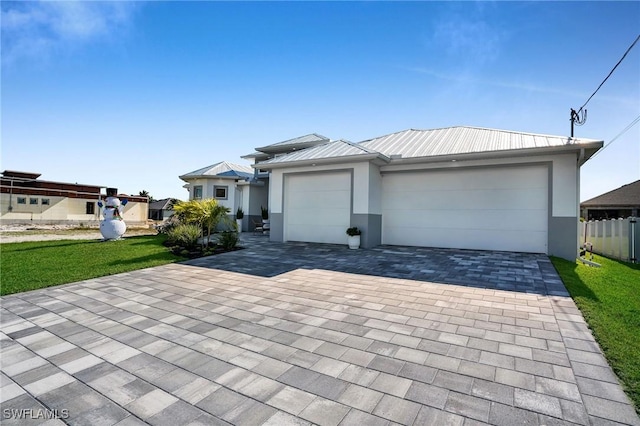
(499, 208)
(317, 207)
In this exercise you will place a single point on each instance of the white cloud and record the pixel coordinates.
(37, 30)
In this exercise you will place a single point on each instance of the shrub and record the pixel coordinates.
(184, 235)
(228, 240)
(353, 231)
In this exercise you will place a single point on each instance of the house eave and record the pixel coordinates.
(588, 150)
(374, 157)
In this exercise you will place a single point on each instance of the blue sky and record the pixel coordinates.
(134, 94)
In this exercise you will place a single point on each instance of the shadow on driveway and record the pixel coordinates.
(521, 272)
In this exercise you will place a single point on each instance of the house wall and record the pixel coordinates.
(259, 196)
(366, 204)
(63, 210)
(366, 195)
(564, 190)
(208, 187)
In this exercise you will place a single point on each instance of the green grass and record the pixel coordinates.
(609, 299)
(33, 265)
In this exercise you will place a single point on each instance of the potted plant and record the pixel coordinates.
(239, 216)
(265, 219)
(353, 237)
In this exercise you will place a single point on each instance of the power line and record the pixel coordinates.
(575, 117)
(625, 130)
(610, 72)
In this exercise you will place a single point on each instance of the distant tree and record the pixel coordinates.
(145, 193)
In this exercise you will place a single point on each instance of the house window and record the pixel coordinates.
(197, 192)
(22, 200)
(220, 192)
(91, 207)
(45, 202)
(33, 201)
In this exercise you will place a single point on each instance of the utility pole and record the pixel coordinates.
(575, 118)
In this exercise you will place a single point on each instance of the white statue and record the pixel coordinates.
(112, 226)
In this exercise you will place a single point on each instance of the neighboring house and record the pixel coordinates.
(457, 187)
(619, 203)
(25, 199)
(161, 209)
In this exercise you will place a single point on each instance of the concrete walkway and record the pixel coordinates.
(301, 333)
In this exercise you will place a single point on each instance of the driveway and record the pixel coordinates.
(303, 333)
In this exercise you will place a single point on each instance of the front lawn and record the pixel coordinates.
(33, 265)
(609, 298)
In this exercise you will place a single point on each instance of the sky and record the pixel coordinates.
(134, 94)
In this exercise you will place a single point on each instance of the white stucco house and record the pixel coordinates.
(232, 185)
(456, 187)
(235, 185)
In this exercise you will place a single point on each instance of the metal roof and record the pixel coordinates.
(414, 143)
(300, 142)
(335, 149)
(626, 195)
(222, 169)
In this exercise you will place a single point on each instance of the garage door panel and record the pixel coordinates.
(456, 219)
(495, 209)
(319, 200)
(467, 199)
(328, 217)
(317, 207)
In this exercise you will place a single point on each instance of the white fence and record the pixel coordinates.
(616, 238)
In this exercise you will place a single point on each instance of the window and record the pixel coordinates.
(33, 201)
(91, 207)
(22, 200)
(45, 202)
(197, 192)
(220, 192)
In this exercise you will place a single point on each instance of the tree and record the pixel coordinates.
(205, 213)
(145, 193)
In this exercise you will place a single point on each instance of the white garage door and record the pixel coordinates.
(488, 209)
(317, 207)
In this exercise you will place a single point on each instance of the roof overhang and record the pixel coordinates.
(188, 178)
(281, 149)
(376, 158)
(583, 151)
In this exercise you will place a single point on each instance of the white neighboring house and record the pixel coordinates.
(456, 187)
(26, 199)
(233, 186)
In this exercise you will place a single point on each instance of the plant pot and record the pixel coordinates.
(239, 223)
(353, 241)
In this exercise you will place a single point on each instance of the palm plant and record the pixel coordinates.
(205, 213)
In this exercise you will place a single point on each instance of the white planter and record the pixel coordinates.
(353, 241)
(239, 223)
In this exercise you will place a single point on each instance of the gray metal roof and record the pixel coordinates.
(335, 149)
(300, 142)
(222, 169)
(462, 140)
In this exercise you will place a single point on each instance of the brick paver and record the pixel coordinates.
(309, 334)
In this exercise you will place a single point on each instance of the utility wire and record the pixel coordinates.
(625, 130)
(609, 75)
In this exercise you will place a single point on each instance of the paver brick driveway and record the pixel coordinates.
(300, 333)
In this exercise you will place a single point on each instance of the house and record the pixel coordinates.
(456, 187)
(233, 186)
(25, 199)
(241, 186)
(619, 203)
(161, 209)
